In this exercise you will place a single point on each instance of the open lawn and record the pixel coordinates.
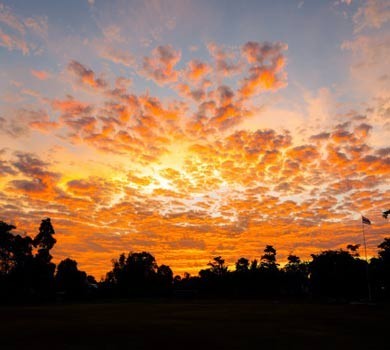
(222, 324)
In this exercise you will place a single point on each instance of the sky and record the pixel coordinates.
(195, 129)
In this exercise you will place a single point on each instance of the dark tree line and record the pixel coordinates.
(27, 273)
(138, 274)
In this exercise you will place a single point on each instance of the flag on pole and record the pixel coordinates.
(366, 221)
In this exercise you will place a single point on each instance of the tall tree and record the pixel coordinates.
(295, 276)
(44, 240)
(43, 267)
(268, 259)
(217, 266)
(269, 273)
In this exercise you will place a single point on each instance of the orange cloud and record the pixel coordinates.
(266, 70)
(160, 66)
(71, 107)
(197, 70)
(23, 120)
(86, 76)
(226, 62)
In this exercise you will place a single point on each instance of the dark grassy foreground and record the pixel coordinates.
(213, 324)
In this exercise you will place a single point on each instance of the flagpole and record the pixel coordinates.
(367, 267)
(364, 241)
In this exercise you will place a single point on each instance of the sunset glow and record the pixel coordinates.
(193, 129)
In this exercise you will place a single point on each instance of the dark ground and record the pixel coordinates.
(222, 324)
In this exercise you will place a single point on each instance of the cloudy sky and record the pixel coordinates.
(192, 129)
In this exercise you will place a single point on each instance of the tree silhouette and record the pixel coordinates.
(165, 274)
(44, 240)
(214, 279)
(269, 273)
(15, 262)
(6, 248)
(254, 265)
(268, 260)
(217, 266)
(353, 249)
(332, 274)
(136, 274)
(242, 277)
(384, 250)
(380, 271)
(242, 265)
(293, 263)
(43, 269)
(337, 274)
(14, 249)
(164, 279)
(295, 276)
(69, 280)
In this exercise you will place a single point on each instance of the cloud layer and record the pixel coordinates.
(175, 150)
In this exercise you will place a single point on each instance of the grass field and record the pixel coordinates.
(159, 324)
